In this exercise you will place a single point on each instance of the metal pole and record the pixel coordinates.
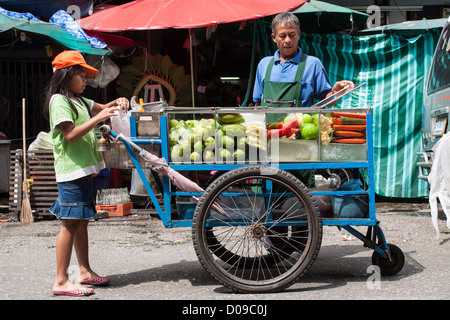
(192, 68)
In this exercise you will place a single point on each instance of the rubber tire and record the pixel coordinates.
(199, 230)
(389, 268)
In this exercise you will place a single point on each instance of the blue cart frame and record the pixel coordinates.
(373, 239)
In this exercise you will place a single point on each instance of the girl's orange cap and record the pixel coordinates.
(69, 58)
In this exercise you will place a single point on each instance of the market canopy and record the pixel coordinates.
(409, 26)
(318, 16)
(394, 65)
(46, 8)
(53, 31)
(163, 14)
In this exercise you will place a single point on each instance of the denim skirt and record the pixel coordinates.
(75, 200)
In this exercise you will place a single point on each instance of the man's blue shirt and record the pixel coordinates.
(315, 83)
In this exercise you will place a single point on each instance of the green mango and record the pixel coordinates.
(242, 142)
(209, 141)
(239, 155)
(173, 123)
(198, 146)
(228, 142)
(195, 156)
(225, 154)
(209, 156)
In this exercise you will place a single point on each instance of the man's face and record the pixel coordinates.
(286, 38)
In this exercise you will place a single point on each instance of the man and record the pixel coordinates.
(291, 75)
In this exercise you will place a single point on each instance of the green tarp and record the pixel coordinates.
(53, 31)
(394, 63)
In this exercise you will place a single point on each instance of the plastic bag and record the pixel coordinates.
(137, 186)
(108, 70)
(439, 179)
(121, 123)
(42, 141)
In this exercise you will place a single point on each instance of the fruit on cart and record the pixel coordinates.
(225, 154)
(256, 134)
(307, 118)
(227, 141)
(192, 123)
(175, 153)
(173, 123)
(209, 156)
(310, 131)
(275, 133)
(290, 132)
(290, 124)
(198, 146)
(235, 130)
(189, 136)
(209, 142)
(289, 117)
(195, 156)
(230, 118)
(275, 125)
(239, 155)
(242, 142)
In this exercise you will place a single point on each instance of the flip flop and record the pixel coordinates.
(75, 293)
(96, 281)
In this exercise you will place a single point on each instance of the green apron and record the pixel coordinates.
(283, 94)
(286, 95)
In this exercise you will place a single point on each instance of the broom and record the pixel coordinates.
(25, 213)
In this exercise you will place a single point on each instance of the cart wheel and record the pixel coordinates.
(389, 267)
(271, 236)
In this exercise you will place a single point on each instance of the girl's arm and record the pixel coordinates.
(73, 133)
(121, 102)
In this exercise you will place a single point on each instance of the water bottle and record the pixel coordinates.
(99, 198)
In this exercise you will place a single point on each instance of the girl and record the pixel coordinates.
(76, 160)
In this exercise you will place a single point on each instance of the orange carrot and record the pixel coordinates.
(337, 120)
(350, 115)
(350, 127)
(349, 140)
(349, 134)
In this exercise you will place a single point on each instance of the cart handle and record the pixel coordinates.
(105, 129)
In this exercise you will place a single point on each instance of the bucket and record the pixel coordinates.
(185, 208)
(351, 206)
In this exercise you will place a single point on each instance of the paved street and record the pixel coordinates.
(145, 261)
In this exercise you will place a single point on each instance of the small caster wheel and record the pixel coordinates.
(389, 267)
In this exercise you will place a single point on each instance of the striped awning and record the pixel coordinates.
(394, 65)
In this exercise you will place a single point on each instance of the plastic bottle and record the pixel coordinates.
(99, 198)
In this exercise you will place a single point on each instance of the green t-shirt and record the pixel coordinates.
(79, 158)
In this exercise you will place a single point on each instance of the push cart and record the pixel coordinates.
(256, 227)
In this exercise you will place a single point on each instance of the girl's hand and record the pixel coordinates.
(106, 113)
(123, 103)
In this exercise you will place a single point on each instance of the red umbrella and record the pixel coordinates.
(164, 14)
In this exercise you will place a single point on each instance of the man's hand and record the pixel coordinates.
(338, 86)
(344, 84)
